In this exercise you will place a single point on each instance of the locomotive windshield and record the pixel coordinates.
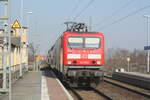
(84, 42)
(92, 42)
(75, 42)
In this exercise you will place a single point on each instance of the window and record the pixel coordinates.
(84, 42)
(92, 42)
(75, 42)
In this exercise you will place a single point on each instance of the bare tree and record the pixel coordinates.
(117, 58)
(32, 54)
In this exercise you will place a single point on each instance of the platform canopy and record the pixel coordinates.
(3, 0)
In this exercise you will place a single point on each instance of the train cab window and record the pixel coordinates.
(75, 42)
(92, 42)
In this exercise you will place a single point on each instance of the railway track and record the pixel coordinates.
(106, 91)
(88, 94)
(119, 93)
(129, 87)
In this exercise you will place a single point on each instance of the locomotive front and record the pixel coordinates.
(83, 57)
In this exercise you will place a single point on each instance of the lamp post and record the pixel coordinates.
(7, 17)
(147, 17)
(28, 35)
(21, 11)
(28, 23)
(128, 60)
(21, 31)
(36, 53)
(9, 29)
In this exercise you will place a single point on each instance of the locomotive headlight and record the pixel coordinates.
(94, 56)
(73, 56)
(98, 62)
(69, 62)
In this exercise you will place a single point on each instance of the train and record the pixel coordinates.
(78, 56)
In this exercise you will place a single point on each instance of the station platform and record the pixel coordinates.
(134, 78)
(142, 75)
(26, 88)
(41, 85)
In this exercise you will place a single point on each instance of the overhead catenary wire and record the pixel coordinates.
(125, 17)
(75, 8)
(77, 5)
(79, 14)
(115, 12)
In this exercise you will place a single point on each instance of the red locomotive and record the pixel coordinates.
(78, 55)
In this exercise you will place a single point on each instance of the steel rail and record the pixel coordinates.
(127, 88)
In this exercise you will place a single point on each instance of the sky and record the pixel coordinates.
(48, 16)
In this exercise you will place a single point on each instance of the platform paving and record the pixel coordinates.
(41, 85)
(56, 90)
(26, 88)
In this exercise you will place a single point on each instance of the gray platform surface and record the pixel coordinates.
(138, 74)
(27, 88)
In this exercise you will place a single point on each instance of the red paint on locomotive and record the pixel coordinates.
(83, 56)
(78, 57)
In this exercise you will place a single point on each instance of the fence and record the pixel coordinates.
(15, 75)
